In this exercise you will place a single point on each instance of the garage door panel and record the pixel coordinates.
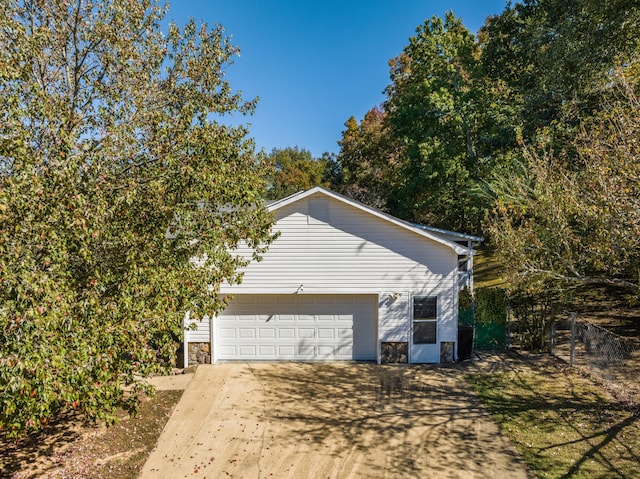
(267, 350)
(226, 333)
(286, 333)
(306, 333)
(326, 352)
(245, 333)
(247, 350)
(344, 350)
(297, 327)
(345, 333)
(227, 350)
(287, 352)
(226, 319)
(326, 333)
(306, 351)
(267, 333)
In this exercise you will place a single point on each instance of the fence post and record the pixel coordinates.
(572, 353)
(552, 340)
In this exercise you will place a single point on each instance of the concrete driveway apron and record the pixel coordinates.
(331, 420)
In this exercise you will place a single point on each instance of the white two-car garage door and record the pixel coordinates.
(297, 327)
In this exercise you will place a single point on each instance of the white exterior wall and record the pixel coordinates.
(202, 333)
(339, 249)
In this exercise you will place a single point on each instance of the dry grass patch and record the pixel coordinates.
(70, 448)
(487, 271)
(565, 425)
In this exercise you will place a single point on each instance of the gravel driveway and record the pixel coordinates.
(331, 420)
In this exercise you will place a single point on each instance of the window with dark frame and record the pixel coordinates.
(425, 319)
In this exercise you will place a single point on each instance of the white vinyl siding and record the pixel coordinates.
(353, 253)
(201, 332)
(356, 253)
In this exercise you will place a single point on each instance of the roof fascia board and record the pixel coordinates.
(448, 232)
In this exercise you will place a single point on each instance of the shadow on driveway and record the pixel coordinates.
(331, 420)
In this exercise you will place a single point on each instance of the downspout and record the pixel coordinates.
(456, 307)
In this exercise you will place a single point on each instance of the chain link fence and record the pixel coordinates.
(588, 343)
(611, 359)
(537, 324)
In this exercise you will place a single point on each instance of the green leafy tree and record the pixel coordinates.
(559, 227)
(114, 176)
(368, 155)
(566, 216)
(294, 170)
(556, 57)
(438, 110)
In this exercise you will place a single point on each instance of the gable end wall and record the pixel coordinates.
(343, 250)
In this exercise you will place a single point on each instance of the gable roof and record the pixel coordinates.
(424, 231)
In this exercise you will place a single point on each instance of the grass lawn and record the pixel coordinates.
(487, 271)
(564, 425)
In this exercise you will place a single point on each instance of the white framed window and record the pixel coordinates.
(425, 319)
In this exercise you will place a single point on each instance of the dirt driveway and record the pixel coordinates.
(331, 420)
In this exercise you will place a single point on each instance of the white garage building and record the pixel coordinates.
(343, 281)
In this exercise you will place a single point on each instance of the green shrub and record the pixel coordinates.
(491, 305)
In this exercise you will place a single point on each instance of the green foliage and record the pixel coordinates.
(426, 154)
(465, 298)
(557, 226)
(486, 310)
(532, 315)
(466, 307)
(527, 132)
(444, 114)
(491, 305)
(294, 170)
(566, 215)
(114, 174)
(368, 153)
(555, 58)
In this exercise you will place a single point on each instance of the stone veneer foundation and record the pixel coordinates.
(199, 353)
(395, 352)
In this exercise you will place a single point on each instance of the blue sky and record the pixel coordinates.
(314, 63)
